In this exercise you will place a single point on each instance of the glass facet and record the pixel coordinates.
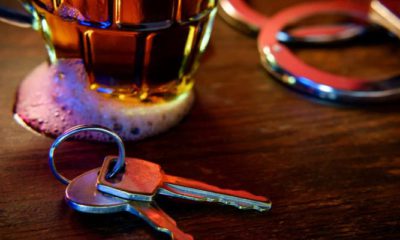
(145, 49)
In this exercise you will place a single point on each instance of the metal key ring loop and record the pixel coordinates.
(83, 128)
(283, 64)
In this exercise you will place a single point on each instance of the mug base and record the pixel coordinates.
(52, 99)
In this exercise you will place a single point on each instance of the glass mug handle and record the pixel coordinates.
(16, 18)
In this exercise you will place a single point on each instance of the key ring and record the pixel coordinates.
(82, 128)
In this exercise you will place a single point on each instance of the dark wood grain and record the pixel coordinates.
(332, 171)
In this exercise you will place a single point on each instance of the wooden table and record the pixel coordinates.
(332, 171)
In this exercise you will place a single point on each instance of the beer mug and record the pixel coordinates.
(141, 49)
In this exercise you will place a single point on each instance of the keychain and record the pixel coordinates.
(129, 184)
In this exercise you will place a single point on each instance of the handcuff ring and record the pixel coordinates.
(289, 69)
(241, 16)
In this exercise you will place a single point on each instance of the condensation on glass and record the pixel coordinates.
(142, 48)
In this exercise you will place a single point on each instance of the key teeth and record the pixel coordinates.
(239, 206)
(257, 208)
(172, 191)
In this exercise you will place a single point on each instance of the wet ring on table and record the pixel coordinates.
(241, 16)
(82, 128)
(288, 68)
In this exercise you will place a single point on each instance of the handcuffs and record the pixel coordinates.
(285, 66)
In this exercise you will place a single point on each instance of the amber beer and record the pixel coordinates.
(145, 49)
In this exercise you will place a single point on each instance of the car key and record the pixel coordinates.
(81, 194)
(141, 180)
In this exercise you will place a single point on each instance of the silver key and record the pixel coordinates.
(142, 180)
(82, 195)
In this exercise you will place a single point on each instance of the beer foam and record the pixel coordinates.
(54, 98)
